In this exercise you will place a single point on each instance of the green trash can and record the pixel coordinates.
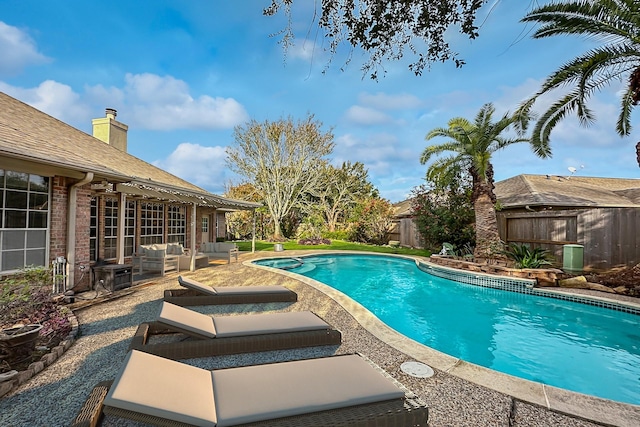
(573, 258)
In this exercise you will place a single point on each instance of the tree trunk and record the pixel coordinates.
(277, 231)
(488, 244)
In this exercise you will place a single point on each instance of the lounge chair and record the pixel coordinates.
(337, 390)
(210, 336)
(195, 293)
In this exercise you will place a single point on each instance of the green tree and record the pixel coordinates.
(387, 28)
(340, 190)
(444, 212)
(617, 25)
(371, 221)
(472, 145)
(282, 160)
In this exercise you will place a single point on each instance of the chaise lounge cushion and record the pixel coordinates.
(160, 387)
(189, 320)
(292, 388)
(175, 391)
(239, 325)
(231, 290)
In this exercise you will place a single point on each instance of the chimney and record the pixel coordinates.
(111, 131)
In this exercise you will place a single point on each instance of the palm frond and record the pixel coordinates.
(623, 125)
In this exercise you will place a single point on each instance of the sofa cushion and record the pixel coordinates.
(175, 249)
(156, 253)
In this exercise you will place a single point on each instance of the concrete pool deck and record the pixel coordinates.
(459, 394)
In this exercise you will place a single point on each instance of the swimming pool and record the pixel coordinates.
(583, 348)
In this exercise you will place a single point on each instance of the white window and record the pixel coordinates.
(151, 223)
(24, 219)
(177, 227)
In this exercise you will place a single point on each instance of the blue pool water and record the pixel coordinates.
(565, 344)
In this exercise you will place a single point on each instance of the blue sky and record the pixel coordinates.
(182, 74)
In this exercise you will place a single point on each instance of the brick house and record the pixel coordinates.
(67, 194)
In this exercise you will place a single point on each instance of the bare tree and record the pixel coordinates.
(387, 28)
(282, 159)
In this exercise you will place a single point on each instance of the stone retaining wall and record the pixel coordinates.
(542, 276)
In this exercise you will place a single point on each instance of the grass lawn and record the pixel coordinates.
(335, 245)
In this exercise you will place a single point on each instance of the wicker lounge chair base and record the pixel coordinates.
(195, 348)
(399, 412)
(405, 409)
(189, 297)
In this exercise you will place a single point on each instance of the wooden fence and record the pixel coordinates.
(610, 236)
(404, 230)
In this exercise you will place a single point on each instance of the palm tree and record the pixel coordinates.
(472, 145)
(617, 24)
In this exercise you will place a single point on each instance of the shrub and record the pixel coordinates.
(526, 257)
(372, 221)
(26, 298)
(336, 235)
(314, 241)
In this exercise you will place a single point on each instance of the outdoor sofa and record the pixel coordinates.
(344, 390)
(218, 335)
(166, 257)
(220, 250)
(196, 293)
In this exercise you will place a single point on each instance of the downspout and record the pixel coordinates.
(72, 209)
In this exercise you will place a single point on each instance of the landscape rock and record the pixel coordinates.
(599, 287)
(579, 282)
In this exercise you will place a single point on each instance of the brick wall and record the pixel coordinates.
(58, 234)
(83, 221)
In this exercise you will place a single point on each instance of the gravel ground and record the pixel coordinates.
(55, 395)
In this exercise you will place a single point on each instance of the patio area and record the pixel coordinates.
(55, 395)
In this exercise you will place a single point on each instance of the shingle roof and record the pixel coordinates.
(29, 134)
(573, 191)
(403, 209)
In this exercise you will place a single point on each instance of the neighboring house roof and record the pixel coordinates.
(403, 209)
(569, 191)
(27, 134)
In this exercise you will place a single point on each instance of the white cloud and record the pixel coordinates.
(18, 50)
(381, 154)
(366, 116)
(164, 103)
(203, 166)
(56, 99)
(384, 101)
(303, 49)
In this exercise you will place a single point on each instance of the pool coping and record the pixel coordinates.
(605, 411)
